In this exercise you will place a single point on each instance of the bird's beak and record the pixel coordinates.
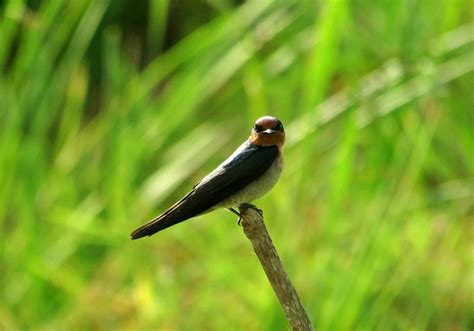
(269, 131)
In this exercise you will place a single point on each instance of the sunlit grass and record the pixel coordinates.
(372, 216)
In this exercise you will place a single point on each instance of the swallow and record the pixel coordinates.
(250, 172)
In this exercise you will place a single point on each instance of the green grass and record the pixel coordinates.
(102, 128)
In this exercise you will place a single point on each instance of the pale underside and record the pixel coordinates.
(256, 189)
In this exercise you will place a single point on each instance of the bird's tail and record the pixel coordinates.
(157, 224)
(179, 212)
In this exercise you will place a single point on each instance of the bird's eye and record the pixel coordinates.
(258, 128)
(279, 127)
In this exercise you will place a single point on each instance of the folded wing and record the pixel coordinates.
(247, 164)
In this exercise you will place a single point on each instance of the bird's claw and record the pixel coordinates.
(242, 208)
(245, 206)
(236, 213)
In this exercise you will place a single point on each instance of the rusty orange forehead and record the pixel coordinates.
(267, 122)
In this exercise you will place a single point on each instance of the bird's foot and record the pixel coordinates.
(245, 206)
(236, 213)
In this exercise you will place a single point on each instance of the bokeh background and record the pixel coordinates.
(111, 110)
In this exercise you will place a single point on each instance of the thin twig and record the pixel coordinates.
(256, 232)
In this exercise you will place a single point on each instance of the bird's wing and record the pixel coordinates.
(243, 167)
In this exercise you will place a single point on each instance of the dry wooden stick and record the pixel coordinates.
(254, 228)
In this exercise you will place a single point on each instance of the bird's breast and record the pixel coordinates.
(258, 187)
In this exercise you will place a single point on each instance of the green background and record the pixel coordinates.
(111, 110)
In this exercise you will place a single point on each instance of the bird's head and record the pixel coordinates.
(268, 131)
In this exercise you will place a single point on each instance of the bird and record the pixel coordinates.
(250, 172)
